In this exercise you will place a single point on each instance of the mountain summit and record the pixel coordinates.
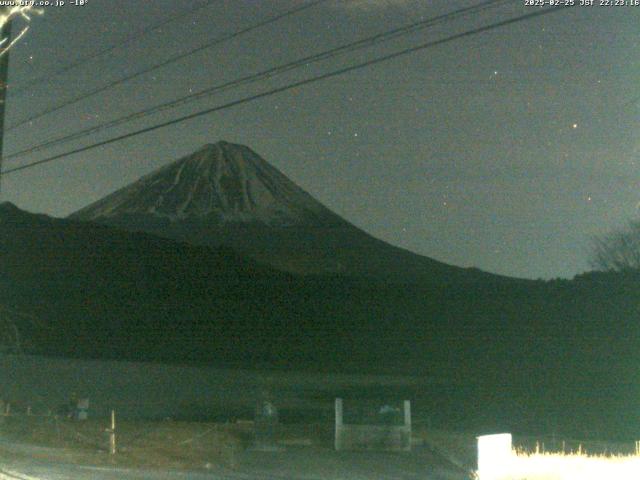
(219, 184)
(227, 195)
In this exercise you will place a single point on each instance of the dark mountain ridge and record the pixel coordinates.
(527, 350)
(225, 194)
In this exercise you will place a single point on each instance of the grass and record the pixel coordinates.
(571, 466)
(610, 461)
(605, 460)
(165, 444)
(199, 446)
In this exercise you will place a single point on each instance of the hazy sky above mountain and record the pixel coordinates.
(506, 150)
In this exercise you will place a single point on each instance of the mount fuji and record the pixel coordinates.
(227, 195)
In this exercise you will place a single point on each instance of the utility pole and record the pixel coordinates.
(5, 38)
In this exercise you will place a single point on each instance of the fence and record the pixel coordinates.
(353, 436)
(103, 441)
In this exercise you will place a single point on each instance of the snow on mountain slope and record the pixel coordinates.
(221, 183)
(226, 195)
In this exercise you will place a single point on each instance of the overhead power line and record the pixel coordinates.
(27, 86)
(169, 61)
(266, 74)
(290, 86)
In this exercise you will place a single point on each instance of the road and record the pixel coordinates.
(42, 471)
(50, 471)
(290, 464)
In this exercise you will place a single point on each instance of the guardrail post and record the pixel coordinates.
(338, 433)
(112, 434)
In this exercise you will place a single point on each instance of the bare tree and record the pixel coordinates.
(618, 251)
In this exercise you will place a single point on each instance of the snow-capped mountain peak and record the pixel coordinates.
(220, 183)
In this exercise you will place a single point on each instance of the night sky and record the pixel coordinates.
(506, 150)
